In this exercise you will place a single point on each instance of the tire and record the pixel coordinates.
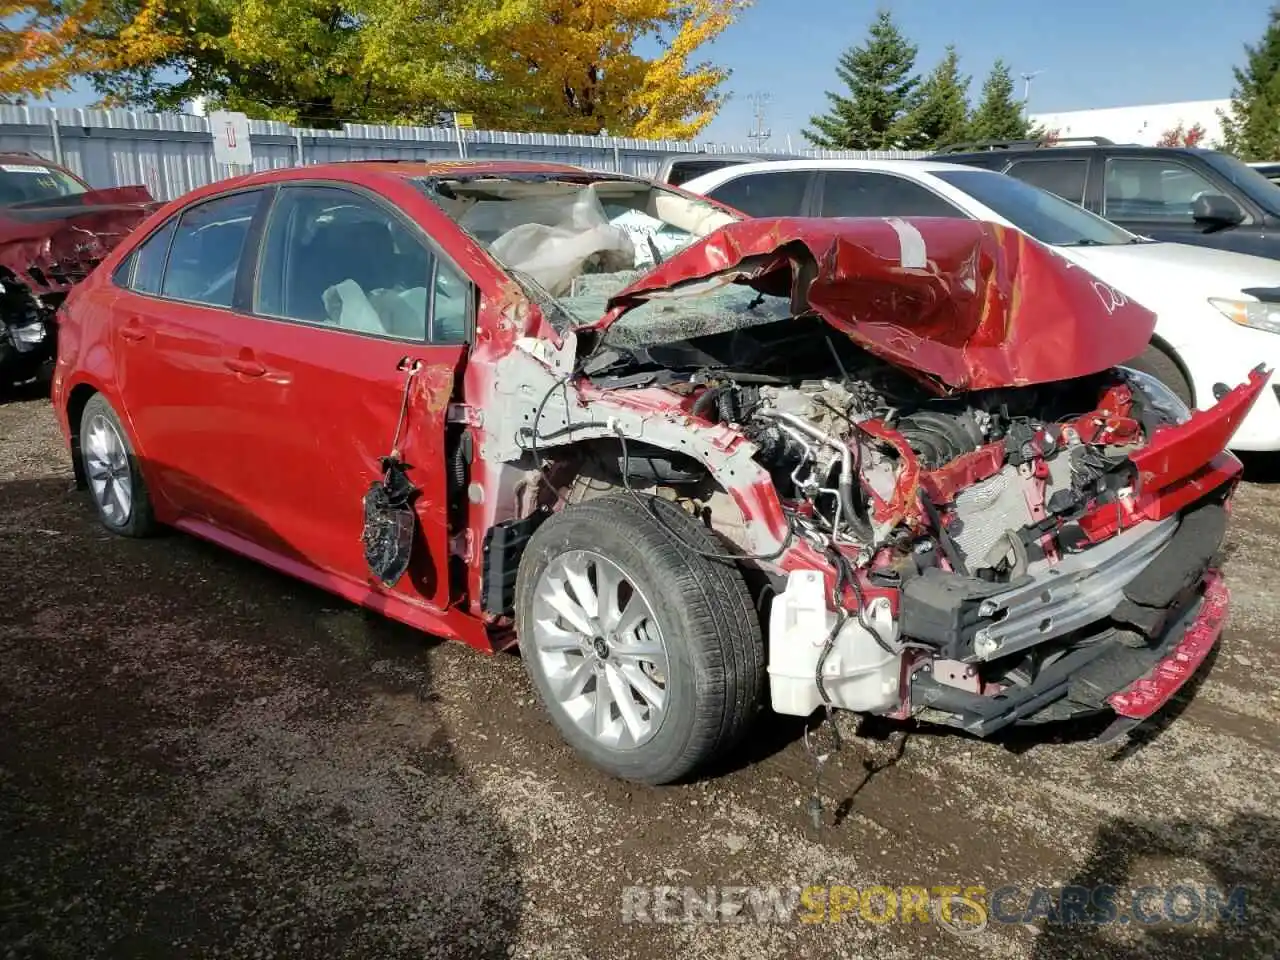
(111, 466)
(1157, 363)
(713, 682)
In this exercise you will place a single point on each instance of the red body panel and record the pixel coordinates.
(971, 305)
(1148, 694)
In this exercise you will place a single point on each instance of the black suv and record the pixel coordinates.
(1183, 194)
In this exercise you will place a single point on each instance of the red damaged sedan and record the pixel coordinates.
(693, 465)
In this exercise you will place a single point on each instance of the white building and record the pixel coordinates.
(1142, 124)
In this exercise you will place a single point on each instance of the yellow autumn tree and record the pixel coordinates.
(540, 65)
(573, 66)
(45, 45)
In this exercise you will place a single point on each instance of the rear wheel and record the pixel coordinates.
(1157, 363)
(111, 470)
(647, 655)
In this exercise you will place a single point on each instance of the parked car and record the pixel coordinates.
(1185, 194)
(679, 167)
(814, 463)
(53, 229)
(1216, 310)
(1269, 170)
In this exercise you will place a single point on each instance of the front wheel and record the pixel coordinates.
(647, 654)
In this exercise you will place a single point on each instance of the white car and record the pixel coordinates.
(1218, 312)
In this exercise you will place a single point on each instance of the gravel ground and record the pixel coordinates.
(201, 758)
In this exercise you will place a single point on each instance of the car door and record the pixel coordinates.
(1152, 196)
(359, 330)
(864, 193)
(777, 193)
(175, 308)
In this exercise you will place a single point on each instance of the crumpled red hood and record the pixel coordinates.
(53, 245)
(967, 304)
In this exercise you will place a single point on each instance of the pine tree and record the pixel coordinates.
(882, 90)
(999, 116)
(1251, 129)
(942, 114)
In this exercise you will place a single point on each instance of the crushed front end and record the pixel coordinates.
(916, 441)
(46, 248)
(1067, 564)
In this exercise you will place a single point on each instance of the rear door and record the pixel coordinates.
(360, 327)
(176, 308)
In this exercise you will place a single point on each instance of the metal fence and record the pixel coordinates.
(172, 153)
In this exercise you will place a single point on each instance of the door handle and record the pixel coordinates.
(133, 331)
(246, 368)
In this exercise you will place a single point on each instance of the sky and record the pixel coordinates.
(1092, 53)
(1088, 53)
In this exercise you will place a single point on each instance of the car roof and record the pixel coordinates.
(1020, 152)
(412, 169)
(908, 167)
(369, 172)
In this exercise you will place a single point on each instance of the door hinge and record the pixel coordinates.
(466, 414)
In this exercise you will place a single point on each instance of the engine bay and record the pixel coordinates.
(891, 471)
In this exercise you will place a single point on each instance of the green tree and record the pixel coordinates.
(881, 80)
(1251, 128)
(999, 116)
(941, 115)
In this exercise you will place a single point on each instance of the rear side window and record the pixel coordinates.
(846, 193)
(682, 171)
(205, 254)
(1066, 178)
(765, 194)
(149, 260)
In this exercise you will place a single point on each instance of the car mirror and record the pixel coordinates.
(1216, 210)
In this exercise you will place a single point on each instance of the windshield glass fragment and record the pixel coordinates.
(579, 241)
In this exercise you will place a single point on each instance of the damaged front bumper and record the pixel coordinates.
(1119, 623)
(1117, 670)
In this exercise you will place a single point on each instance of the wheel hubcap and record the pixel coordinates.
(106, 462)
(600, 648)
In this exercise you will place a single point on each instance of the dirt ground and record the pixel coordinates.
(201, 758)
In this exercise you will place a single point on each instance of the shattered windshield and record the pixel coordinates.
(26, 183)
(577, 241)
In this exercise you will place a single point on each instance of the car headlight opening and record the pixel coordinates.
(1159, 395)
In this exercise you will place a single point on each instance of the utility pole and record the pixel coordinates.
(759, 132)
(1026, 89)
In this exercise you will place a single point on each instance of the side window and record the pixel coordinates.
(765, 194)
(846, 193)
(451, 307)
(682, 171)
(335, 257)
(1066, 178)
(149, 260)
(1142, 189)
(205, 253)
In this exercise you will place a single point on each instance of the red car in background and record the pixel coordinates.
(692, 464)
(54, 229)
